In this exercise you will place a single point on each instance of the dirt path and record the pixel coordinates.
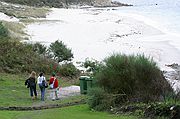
(64, 92)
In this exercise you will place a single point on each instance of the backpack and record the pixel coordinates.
(27, 83)
(44, 84)
(52, 84)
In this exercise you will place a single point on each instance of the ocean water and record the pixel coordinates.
(165, 12)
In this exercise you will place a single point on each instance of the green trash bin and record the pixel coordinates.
(83, 84)
(89, 83)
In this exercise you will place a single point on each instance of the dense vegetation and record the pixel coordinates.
(123, 79)
(3, 30)
(60, 51)
(19, 57)
(55, 3)
(119, 80)
(23, 12)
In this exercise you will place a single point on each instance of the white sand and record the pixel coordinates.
(7, 18)
(98, 33)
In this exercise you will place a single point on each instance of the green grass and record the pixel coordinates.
(13, 92)
(73, 112)
(15, 29)
(25, 14)
(23, 11)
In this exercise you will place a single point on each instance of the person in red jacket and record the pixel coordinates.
(54, 82)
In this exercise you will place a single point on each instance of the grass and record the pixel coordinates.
(22, 11)
(73, 112)
(25, 14)
(15, 29)
(14, 92)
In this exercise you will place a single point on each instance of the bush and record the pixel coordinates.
(3, 31)
(60, 51)
(92, 65)
(164, 110)
(17, 57)
(69, 70)
(99, 99)
(39, 48)
(136, 77)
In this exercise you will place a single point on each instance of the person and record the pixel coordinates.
(54, 81)
(31, 84)
(40, 79)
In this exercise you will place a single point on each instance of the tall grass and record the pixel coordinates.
(15, 29)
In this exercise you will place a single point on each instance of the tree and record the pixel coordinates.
(92, 65)
(39, 48)
(60, 51)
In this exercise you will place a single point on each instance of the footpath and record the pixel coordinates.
(63, 92)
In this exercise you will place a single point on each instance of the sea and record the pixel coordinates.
(165, 12)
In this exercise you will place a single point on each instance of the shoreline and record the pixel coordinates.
(77, 21)
(96, 34)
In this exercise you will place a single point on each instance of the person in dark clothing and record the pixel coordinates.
(31, 84)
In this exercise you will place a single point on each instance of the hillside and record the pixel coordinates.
(60, 3)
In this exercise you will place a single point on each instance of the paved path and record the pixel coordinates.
(64, 92)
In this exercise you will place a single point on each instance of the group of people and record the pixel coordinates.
(31, 84)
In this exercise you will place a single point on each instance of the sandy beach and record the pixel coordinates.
(98, 33)
(150, 28)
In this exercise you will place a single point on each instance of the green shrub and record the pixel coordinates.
(136, 77)
(20, 57)
(25, 57)
(163, 110)
(92, 66)
(39, 48)
(99, 100)
(60, 51)
(68, 69)
(3, 31)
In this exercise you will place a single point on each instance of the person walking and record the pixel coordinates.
(31, 84)
(53, 83)
(40, 80)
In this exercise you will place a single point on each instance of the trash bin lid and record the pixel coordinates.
(89, 79)
(83, 77)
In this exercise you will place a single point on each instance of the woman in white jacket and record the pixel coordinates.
(39, 82)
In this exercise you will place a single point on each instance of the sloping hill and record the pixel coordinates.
(59, 3)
